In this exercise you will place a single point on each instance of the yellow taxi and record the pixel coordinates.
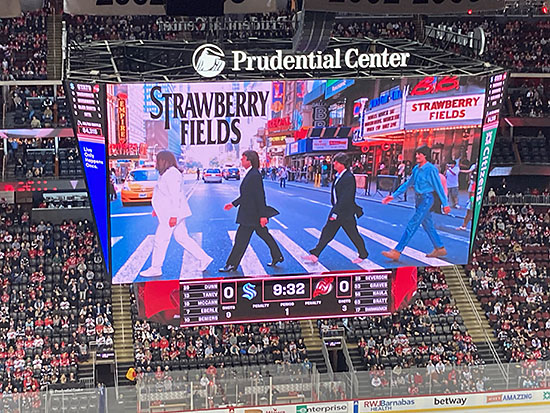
(138, 186)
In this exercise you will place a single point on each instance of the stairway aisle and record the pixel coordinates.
(312, 340)
(124, 346)
(470, 320)
(55, 55)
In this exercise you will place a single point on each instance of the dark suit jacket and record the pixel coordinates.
(342, 197)
(251, 201)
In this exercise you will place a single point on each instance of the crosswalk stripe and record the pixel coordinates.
(297, 252)
(345, 251)
(131, 268)
(114, 240)
(189, 264)
(411, 252)
(250, 263)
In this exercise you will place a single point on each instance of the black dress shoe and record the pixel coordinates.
(228, 268)
(276, 261)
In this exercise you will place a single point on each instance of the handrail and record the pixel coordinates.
(481, 324)
(351, 367)
(326, 356)
(116, 376)
(93, 365)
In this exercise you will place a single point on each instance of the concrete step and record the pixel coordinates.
(467, 311)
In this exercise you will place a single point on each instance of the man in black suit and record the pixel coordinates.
(343, 212)
(252, 216)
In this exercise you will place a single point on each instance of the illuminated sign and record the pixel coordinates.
(382, 121)
(468, 110)
(385, 97)
(279, 123)
(430, 85)
(122, 130)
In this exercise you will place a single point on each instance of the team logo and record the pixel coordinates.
(208, 60)
(249, 291)
(323, 287)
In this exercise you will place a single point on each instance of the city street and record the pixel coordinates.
(303, 214)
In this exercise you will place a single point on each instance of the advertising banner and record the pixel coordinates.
(329, 144)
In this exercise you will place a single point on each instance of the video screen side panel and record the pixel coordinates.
(88, 111)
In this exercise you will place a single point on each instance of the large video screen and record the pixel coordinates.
(273, 178)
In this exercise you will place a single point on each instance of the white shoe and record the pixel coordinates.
(151, 272)
(206, 263)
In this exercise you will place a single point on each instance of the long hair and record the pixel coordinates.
(170, 160)
(253, 157)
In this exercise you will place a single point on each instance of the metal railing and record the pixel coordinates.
(278, 384)
(518, 199)
(481, 323)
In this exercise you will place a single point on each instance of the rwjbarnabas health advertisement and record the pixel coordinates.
(253, 179)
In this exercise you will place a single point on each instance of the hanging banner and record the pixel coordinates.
(403, 6)
(114, 7)
(11, 8)
(153, 7)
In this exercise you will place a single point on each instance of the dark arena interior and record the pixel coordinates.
(274, 206)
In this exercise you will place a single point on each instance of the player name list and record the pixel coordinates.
(200, 303)
(371, 293)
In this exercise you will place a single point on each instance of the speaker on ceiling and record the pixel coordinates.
(313, 31)
(194, 8)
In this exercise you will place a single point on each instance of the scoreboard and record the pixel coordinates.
(349, 294)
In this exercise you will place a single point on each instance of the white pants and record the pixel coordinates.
(162, 239)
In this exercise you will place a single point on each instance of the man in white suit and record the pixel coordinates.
(171, 207)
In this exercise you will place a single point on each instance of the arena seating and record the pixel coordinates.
(24, 46)
(509, 276)
(58, 300)
(37, 107)
(158, 346)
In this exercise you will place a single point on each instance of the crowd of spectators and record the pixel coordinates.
(54, 300)
(530, 99)
(160, 347)
(36, 158)
(375, 29)
(30, 158)
(425, 344)
(509, 274)
(24, 46)
(36, 107)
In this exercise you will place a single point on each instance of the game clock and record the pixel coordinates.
(282, 290)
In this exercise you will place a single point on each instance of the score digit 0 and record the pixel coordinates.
(343, 287)
(228, 293)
